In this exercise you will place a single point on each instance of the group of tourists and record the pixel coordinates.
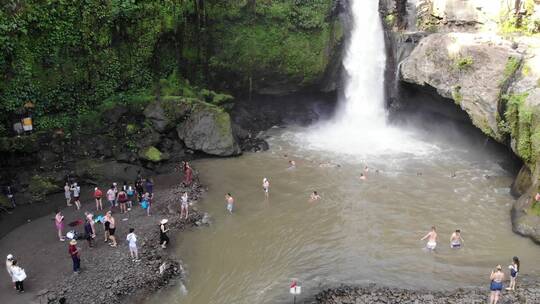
(119, 198)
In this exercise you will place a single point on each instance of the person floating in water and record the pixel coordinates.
(266, 187)
(314, 196)
(230, 202)
(514, 269)
(456, 241)
(496, 285)
(363, 176)
(432, 239)
(292, 164)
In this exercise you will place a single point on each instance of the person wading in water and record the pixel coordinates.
(432, 239)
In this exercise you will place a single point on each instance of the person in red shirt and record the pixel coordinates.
(122, 199)
(98, 194)
(75, 255)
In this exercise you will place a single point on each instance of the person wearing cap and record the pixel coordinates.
(9, 263)
(496, 285)
(75, 255)
(163, 229)
(98, 194)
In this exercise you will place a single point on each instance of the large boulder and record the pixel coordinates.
(93, 171)
(164, 114)
(472, 69)
(525, 217)
(208, 129)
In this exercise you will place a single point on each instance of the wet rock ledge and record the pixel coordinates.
(528, 292)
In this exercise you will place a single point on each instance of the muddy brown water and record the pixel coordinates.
(359, 232)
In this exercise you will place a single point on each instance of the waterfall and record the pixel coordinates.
(364, 63)
(359, 126)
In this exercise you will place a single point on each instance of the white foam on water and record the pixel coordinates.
(360, 126)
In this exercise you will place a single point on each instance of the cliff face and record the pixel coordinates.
(67, 58)
(134, 83)
(483, 55)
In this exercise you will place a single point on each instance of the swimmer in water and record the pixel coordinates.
(366, 169)
(292, 164)
(432, 239)
(230, 202)
(362, 176)
(314, 196)
(266, 187)
(456, 241)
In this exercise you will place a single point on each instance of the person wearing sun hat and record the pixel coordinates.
(9, 263)
(163, 229)
(74, 251)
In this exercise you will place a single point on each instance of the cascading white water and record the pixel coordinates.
(360, 126)
(364, 65)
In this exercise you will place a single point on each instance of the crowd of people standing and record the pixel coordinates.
(121, 200)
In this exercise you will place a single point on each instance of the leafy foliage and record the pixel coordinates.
(72, 57)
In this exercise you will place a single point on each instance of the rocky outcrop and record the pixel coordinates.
(528, 292)
(209, 129)
(471, 69)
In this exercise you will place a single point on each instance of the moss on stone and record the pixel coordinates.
(463, 63)
(456, 94)
(512, 65)
(39, 187)
(152, 154)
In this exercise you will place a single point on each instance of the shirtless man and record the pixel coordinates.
(230, 202)
(314, 196)
(266, 187)
(456, 241)
(362, 176)
(432, 239)
(292, 164)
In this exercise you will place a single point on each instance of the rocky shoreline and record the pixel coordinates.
(527, 292)
(109, 275)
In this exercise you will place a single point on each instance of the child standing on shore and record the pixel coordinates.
(132, 240)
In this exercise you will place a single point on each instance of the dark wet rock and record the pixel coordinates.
(208, 129)
(89, 170)
(254, 145)
(155, 113)
(525, 293)
(524, 221)
(522, 182)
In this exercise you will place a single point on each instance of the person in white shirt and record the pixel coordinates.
(132, 240)
(18, 275)
(76, 195)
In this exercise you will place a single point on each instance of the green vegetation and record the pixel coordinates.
(152, 154)
(456, 94)
(75, 60)
(39, 187)
(519, 119)
(390, 19)
(535, 208)
(463, 63)
(512, 65)
(523, 24)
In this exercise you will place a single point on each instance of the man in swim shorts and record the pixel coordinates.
(432, 239)
(456, 241)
